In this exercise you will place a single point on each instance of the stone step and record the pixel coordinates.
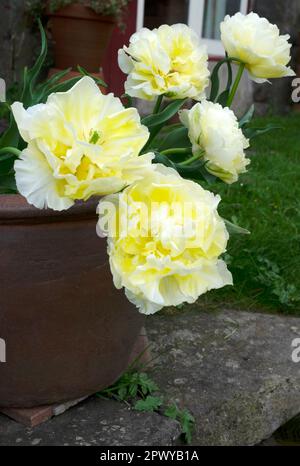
(233, 370)
(94, 422)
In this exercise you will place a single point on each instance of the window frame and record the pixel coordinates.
(195, 21)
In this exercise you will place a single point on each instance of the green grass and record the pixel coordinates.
(266, 201)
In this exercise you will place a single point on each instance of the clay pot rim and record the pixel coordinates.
(15, 207)
(78, 11)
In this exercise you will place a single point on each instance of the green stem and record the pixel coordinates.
(10, 150)
(236, 84)
(175, 151)
(158, 104)
(190, 160)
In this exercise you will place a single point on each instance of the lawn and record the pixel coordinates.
(266, 201)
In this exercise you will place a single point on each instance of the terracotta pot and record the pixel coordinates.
(68, 331)
(81, 37)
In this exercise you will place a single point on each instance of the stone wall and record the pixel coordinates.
(19, 44)
(276, 98)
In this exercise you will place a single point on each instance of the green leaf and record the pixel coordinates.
(253, 132)
(98, 80)
(129, 102)
(56, 77)
(187, 425)
(65, 85)
(11, 136)
(163, 159)
(235, 229)
(35, 70)
(215, 82)
(185, 418)
(172, 411)
(223, 97)
(44, 89)
(247, 117)
(7, 164)
(165, 115)
(176, 138)
(8, 184)
(208, 177)
(30, 75)
(147, 384)
(149, 404)
(122, 392)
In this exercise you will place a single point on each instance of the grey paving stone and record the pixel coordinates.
(94, 422)
(233, 370)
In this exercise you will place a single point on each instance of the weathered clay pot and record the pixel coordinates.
(80, 36)
(68, 331)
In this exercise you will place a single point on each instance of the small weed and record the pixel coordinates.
(137, 389)
(269, 275)
(184, 417)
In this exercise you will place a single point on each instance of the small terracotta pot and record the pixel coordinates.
(68, 331)
(81, 37)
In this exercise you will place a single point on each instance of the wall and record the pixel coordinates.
(19, 45)
(276, 98)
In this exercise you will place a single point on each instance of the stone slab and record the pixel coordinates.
(94, 422)
(233, 370)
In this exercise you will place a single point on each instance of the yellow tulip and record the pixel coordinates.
(164, 240)
(168, 60)
(80, 143)
(258, 44)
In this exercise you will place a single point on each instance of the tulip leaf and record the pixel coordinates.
(129, 102)
(253, 132)
(11, 136)
(98, 80)
(176, 138)
(158, 119)
(35, 70)
(44, 89)
(247, 117)
(164, 160)
(6, 164)
(8, 184)
(65, 85)
(215, 82)
(235, 229)
(223, 97)
(196, 172)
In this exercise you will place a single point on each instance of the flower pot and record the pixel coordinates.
(80, 36)
(68, 332)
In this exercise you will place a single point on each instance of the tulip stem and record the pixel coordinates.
(176, 150)
(158, 104)
(10, 150)
(236, 84)
(189, 161)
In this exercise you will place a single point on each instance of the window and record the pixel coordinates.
(204, 16)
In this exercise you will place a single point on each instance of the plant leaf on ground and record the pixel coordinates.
(184, 417)
(137, 389)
